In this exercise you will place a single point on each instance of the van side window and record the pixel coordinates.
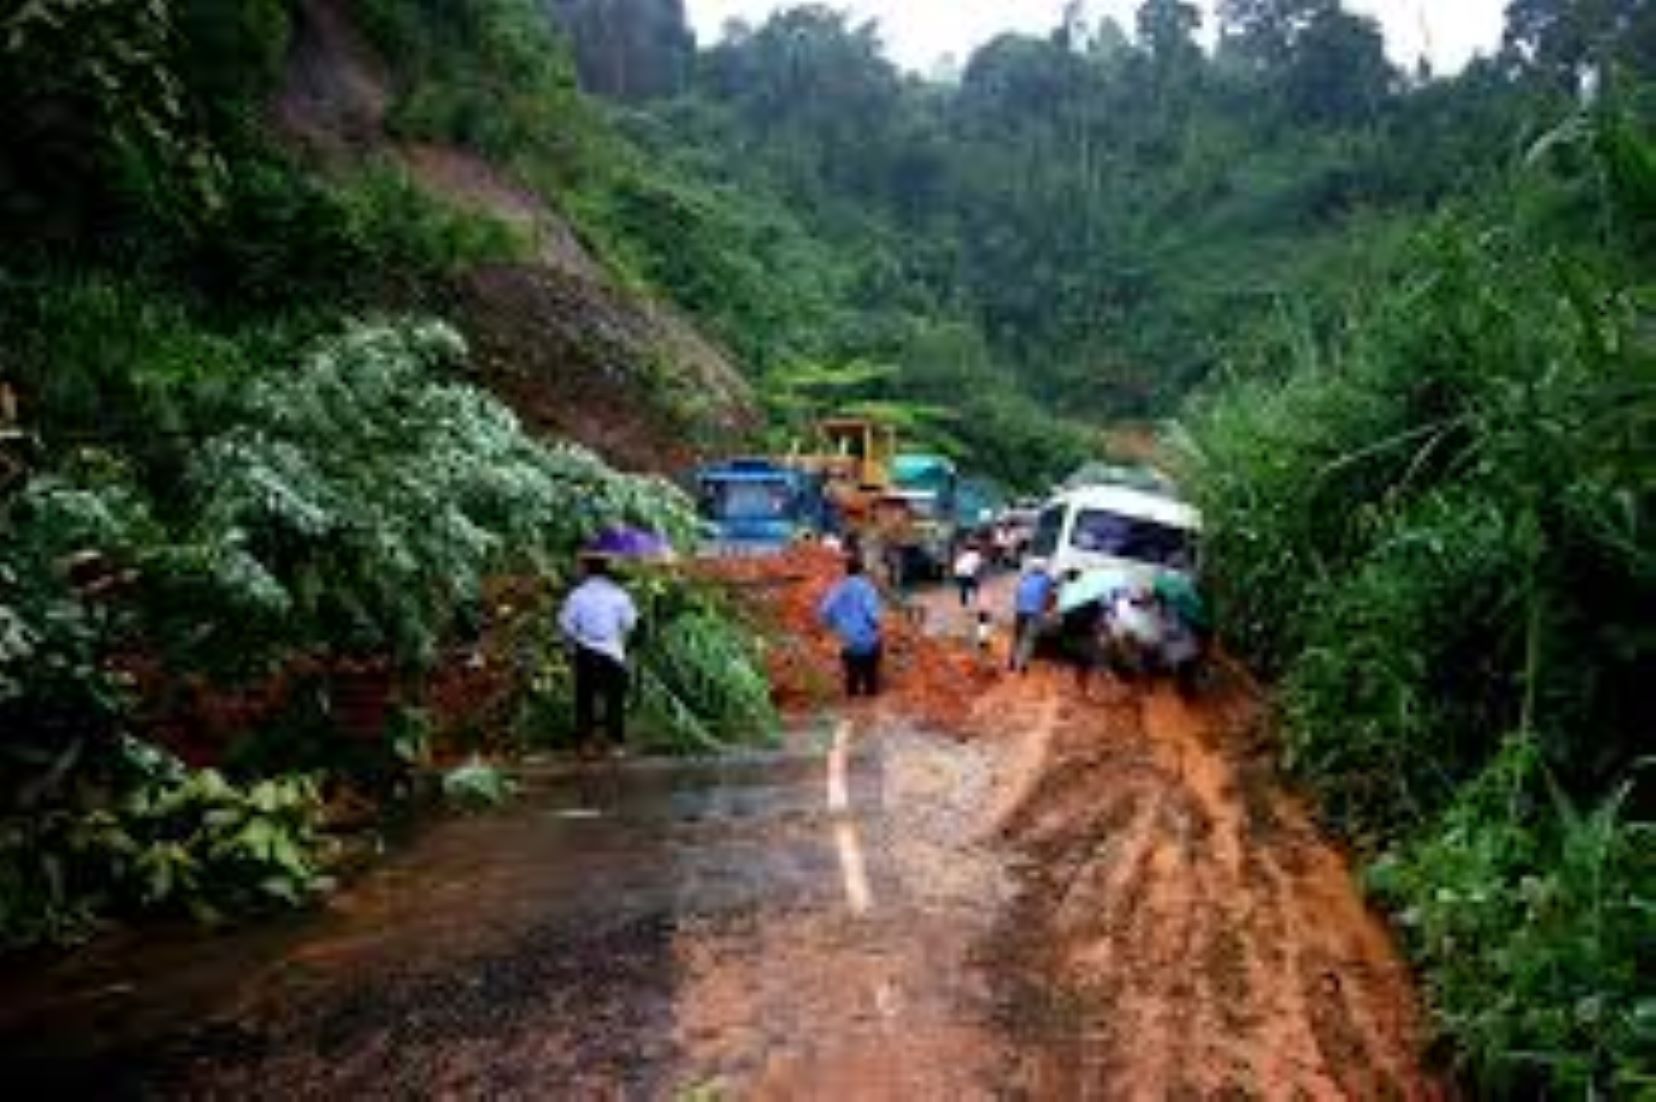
(1047, 531)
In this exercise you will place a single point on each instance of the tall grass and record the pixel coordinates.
(1431, 524)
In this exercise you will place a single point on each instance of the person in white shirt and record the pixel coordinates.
(968, 569)
(596, 620)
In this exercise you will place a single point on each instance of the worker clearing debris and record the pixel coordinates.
(931, 679)
(1030, 604)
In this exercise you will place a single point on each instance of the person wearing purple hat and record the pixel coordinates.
(596, 619)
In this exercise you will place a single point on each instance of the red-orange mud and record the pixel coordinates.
(925, 678)
(1178, 928)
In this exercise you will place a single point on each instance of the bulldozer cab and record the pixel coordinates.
(859, 450)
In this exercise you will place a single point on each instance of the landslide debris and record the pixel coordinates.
(571, 349)
(925, 678)
(1177, 928)
(1180, 929)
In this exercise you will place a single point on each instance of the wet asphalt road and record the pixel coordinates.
(755, 928)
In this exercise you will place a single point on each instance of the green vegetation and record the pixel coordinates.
(1432, 523)
(237, 522)
(140, 832)
(349, 512)
(1415, 312)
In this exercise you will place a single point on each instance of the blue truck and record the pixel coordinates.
(760, 506)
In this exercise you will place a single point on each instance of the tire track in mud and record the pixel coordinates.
(1179, 927)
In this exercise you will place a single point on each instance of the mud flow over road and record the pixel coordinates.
(1050, 897)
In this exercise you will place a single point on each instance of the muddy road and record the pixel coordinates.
(1065, 896)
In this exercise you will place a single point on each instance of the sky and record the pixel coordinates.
(920, 32)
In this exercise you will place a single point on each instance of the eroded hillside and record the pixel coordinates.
(573, 348)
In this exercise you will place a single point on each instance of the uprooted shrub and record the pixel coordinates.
(127, 828)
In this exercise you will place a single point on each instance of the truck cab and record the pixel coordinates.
(759, 506)
(922, 504)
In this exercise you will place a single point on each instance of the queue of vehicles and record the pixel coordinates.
(1117, 536)
(851, 479)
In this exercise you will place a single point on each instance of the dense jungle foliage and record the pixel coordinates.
(1407, 317)
(251, 524)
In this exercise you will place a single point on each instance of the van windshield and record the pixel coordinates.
(1105, 533)
(924, 506)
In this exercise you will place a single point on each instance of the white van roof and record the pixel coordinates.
(1128, 502)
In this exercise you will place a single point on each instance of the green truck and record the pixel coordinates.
(924, 494)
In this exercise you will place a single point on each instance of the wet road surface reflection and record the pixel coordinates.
(722, 928)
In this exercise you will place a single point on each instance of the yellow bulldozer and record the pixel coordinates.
(854, 456)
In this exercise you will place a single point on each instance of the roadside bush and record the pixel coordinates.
(1532, 918)
(703, 685)
(1431, 527)
(132, 830)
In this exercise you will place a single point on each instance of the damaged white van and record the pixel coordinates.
(1129, 531)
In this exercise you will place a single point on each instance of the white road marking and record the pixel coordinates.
(853, 873)
(853, 869)
(839, 794)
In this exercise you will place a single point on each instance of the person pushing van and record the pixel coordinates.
(1029, 605)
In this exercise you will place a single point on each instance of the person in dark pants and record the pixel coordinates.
(596, 620)
(851, 610)
(1034, 597)
(1081, 629)
(968, 574)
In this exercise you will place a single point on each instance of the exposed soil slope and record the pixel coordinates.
(585, 361)
(574, 352)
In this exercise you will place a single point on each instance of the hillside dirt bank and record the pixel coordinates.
(577, 353)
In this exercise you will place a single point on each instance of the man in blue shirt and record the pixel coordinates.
(851, 610)
(1033, 597)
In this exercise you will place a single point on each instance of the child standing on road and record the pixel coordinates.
(984, 633)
